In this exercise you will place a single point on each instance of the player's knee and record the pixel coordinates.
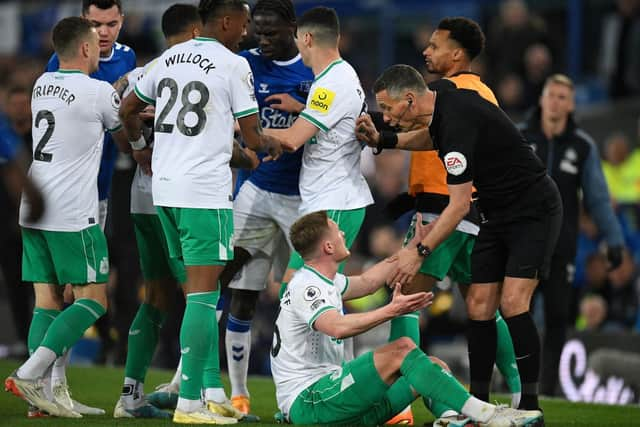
(96, 292)
(403, 345)
(513, 304)
(158, 294)
(48, 299)
(243, 304)
(440, 363)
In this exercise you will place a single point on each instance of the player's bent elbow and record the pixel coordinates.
(340, 335)
(342, 331)
(333, 330)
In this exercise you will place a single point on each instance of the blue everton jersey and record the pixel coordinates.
(121, 61)
(269, 78)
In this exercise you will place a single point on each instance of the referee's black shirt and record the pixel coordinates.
(478, 142)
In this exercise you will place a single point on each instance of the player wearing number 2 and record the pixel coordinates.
(198, 88)
(66, 245)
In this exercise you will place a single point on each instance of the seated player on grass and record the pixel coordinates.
(315, 386)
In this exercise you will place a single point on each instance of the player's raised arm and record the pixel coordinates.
(130, 111)
(243, 158)
(131, 106)
(338, 325)
(296, 136)
(415, 140)
(255, 137)
(284, 102)
(109, 109)
(377, 276)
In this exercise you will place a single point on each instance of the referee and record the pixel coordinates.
(520, 206)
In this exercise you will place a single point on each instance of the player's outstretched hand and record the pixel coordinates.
(366, 131)
(143, 157)
(403, 304)
(284, 102)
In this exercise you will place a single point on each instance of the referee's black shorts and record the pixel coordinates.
(519, 242)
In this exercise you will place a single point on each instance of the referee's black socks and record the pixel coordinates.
(526, 344)
(482, 338)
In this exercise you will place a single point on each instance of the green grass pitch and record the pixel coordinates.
(101, 387)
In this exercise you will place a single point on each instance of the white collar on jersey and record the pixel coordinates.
(256, 52)
(108, 58)
(289, 62)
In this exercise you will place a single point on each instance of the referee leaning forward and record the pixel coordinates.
(521, 209)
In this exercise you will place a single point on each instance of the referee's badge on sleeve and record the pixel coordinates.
(455, 163)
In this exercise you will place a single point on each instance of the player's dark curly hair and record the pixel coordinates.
(100, 4)
(210, 9)
(466, 32)
(283, 8)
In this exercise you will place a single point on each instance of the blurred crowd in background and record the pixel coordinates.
(596, 42)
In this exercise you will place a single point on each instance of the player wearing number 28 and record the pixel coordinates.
(198, 88)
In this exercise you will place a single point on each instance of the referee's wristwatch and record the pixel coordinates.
(423, 250)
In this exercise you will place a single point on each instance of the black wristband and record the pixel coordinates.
(423, 250)
(388, 139)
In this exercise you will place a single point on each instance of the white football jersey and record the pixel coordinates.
(300, 355)
(70, 114)
(198, 88)
(141, 195)
(330, 177)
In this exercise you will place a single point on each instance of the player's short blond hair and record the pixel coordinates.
(560, 79)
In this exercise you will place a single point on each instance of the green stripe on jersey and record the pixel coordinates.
(245, 113)
(346, 285)
(319, 312)
(314, 122)
(326, 70)
(317, 273)
(143, 97)
(206, 39)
